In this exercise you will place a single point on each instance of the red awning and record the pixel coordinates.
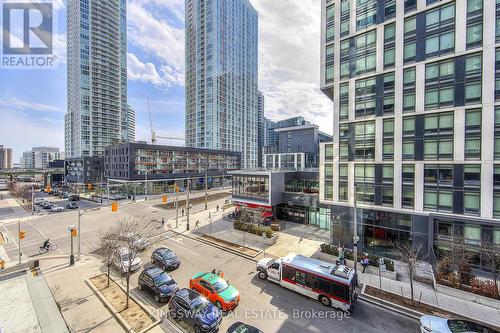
(267, 214)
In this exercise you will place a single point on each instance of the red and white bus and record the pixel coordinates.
(331, 284)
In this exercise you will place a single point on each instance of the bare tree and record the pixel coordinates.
(409, 254)
(491, 255)
(341, 234)
(460, 256)
(108, 249)
(132, 232)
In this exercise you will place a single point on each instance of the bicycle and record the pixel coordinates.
(52, 247)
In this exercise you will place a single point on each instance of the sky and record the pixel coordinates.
(33, 102)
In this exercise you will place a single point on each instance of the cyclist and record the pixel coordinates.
(46, 244)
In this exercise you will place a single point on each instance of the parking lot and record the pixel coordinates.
(84, 204)
(264, 304)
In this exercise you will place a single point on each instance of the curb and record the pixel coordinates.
(389, 305)
(216, 246)
(115, 313)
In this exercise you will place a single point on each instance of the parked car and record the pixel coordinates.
(435, 324)
(195, 310)
(122, 261)
(73, 197)
(165, 258)
(216, 289)
(55, 208)
(72, 205)
(239, 327)
(39, 201)
(158, 282)
(140, 243)
(47, 205)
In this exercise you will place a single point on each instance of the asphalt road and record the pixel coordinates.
(264, 304)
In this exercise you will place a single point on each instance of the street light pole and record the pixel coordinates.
(355, 238)
(187, 203)
(79, 234)
(176, 208)
(19, 239)
(32, 199)
(206, 189)
(146, 185)
(107, 188)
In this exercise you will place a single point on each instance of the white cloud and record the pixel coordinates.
(22, 105)
(146, 72)
(158, 37)
(289, 56)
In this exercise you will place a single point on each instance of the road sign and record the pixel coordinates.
(74, 233)
(22, 234)
(383, 268)
(164, 199)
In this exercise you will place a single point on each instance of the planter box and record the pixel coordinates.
(369, 269)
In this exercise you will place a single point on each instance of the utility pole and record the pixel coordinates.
(187, 203)
(206, 189)
(210, 223)
(32, 199)
(107, 188)
(146, 185)
(355, 237)
(176, 208)
(19, 239)
(79, 233)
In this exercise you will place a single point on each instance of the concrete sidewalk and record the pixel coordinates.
(306, 240)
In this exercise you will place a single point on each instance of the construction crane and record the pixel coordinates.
(154, 137)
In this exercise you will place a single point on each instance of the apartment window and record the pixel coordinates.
(329, 64)
(364, 177)
(472, 189)
(330, 23)
(410, 39)
(366, 13)
(473, 78)
(345, 58)
(344, 142)
(497, 133)
(364, 140)
(474, 23)
(408, 186)
(496, 191)
(408, 138)
(328, 171)
(363, 58)
(329, 153)
(497, 22)
(440, 84)
(366, 97)
(473, 134)
(329, 190)
(438, 136)
(388, 139)
(387, 185)
(410, 5)
(389, 9)
(409, 85)
(344, 101)
(438, 188)
(343, 182)
(440, 31)
(388, 98)
(497, 74)
(389, 45)
(345, 9)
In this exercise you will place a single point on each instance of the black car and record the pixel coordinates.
(47, 205)
(72, 205)
(74, 197)
(194, 309)
(158, 282)
(239, 327)
(165, 258)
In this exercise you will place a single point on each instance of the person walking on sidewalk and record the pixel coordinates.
(364, 262)
(162, 221)
(341, 256)
(217, 208)
(197, 224)
(182, 211)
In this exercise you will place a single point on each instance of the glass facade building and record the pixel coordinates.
(97, 113)
(221, 77)
(415, 102)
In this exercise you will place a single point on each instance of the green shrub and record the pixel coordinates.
(329, 249)
(253, 228)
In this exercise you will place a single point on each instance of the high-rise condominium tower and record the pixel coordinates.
(221, 77)
(416, 109)
(97, 77)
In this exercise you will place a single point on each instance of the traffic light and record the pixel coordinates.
(89, 187)
(22, 235)
(164, 199)
(114, 207)
(74, 233)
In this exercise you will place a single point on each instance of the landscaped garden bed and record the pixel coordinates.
(349, 255)
(135, 316)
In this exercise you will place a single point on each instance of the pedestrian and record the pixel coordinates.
(162, 221)
(182, 211)
(364, 262)
(197, 224)
(341, 256)
(217, 207)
